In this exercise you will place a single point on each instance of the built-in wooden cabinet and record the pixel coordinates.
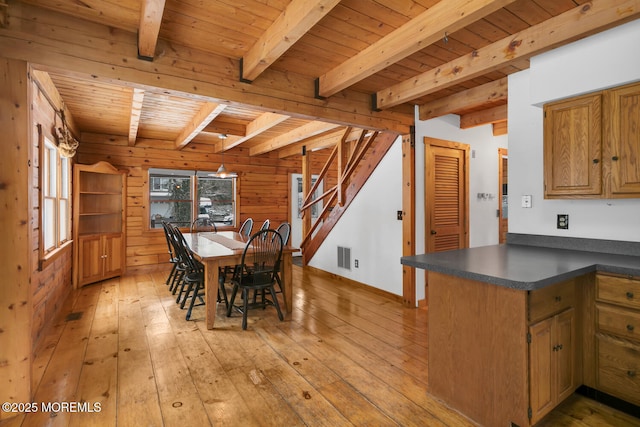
(618, 336)
(552, 347)
(591, 144)
(99, 222)
(622, 135)
(573, 147)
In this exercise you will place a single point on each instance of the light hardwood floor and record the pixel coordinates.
(345, 356)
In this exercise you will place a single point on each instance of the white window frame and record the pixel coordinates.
(193, 177)
(55, 198)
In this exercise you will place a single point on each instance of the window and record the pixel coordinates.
(180, 196)
(55, 198)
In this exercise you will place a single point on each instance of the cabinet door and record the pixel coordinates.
(551, 362)
(113, 255)
(564, 329)
(623, 132)
(541, 368)
(90, 261)
(573, 147)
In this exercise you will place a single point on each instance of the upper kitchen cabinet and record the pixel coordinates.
(573, 147)
(591, 145)
(622, 132)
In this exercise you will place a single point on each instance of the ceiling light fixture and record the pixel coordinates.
(222, 171)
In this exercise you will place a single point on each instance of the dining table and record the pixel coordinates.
(225, 248)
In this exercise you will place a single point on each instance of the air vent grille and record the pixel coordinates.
(344, 257)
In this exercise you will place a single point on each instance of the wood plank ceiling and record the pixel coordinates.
(447, 56)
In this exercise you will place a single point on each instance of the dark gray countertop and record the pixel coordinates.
(523, 266)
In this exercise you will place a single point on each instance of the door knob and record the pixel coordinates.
(433, 232)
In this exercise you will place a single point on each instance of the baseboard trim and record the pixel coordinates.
(355, 283)
(612, 401)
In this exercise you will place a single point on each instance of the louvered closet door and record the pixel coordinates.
(446, 196)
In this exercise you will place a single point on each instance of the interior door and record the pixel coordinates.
(446, 199)
(503, 191)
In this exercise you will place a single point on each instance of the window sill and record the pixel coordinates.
(52, 256)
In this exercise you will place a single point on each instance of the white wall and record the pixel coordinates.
(585, 66)
(602, 61)
(370, 228)
(483, 178)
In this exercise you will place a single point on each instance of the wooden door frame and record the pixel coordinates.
(408, 217)
(441, 143)
(502, 152)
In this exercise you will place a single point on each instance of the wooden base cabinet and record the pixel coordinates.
(502, 356)
(99, 200)
(551, 362)
(618, 336)
(100, 257)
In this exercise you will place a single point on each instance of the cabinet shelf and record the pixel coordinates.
(100, 193)
(99, 213)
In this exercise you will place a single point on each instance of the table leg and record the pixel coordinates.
(211, 291)
(287, 281)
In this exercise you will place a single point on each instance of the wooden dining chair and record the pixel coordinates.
(260, 258)
(203, 224)
(245, 228)
(173, 256)
(284, 230)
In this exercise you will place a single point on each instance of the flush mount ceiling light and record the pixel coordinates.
(222, 171)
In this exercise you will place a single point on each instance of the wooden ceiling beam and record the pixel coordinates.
(220, 125)
(298, 18)
(261, 124)
(445, 17)
(500, 128)
(295, 135)
(183, 72)
(576, 23)
(316, 143)
(484, 117)
(469, 99)
(149, 29)
(208, 112)
(136, 112)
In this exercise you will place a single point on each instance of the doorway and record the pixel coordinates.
(447, 195)
(503, 191)
(296, 202)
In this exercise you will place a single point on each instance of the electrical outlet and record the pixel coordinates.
(356, 263)
(526, 201)
(399, 215)
(563, 221)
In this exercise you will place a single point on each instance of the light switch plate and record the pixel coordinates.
(526, 201)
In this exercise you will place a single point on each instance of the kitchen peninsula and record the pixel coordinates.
(514, 329)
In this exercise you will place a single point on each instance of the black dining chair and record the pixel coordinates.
(284, 230)
(245, 228)
(193, 280)
(203, 224)
(173, 257)
(226, 271)
(260, 258)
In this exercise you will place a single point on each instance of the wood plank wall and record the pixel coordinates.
(51, 285)
(263, 185)
(15, 310)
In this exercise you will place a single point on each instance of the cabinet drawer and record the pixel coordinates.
(618, 290)
(550, 300)
(619, 321)
(619, 368)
